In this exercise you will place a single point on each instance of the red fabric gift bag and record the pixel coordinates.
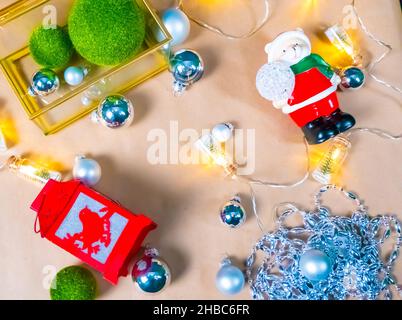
(93, 228)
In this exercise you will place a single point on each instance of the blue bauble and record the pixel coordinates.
(230, 280)
(315, 265)
(74, 76)
(352, 78)
(115, 111)
(178, 25)
(150, 274)
(44, 82)
(233, 214)
(187, 68)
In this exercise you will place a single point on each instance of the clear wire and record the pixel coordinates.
(371, 67)
(251, 182)
(219, 31)
(285, 185)
(378, 132)
(5, 156)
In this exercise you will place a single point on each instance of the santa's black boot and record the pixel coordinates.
(342, 120)
(319, 131)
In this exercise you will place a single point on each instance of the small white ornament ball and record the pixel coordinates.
(223, 132)
(315, 265)
(230, 280)
(177, 24)
(74, 76)
(275, 81)
(88, 171)
(86, 101)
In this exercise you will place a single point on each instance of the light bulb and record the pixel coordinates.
(332, 160)
(213, 149)
(31, 170)
(3, 142)
(338, 36)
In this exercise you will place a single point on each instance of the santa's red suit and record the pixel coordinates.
(314, 96)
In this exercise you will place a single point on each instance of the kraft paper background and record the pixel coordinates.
(185, 199)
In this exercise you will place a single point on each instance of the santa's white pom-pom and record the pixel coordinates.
(275, 81)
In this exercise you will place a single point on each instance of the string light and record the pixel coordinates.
(327, 169)
(332, 161)
(3, 142)
(31, 170)
(213, 149)
(219, 31)
(8, 131)
(38, 168)
(338, 36)
(370, 68)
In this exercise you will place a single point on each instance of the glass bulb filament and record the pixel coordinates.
(32, 171)
(338, 36)
(213, 149)
(332, 160)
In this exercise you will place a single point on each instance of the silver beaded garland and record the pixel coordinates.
(340, 259)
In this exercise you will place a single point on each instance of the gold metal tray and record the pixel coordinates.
(60, 109)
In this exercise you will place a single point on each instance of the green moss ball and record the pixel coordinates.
(73, 283)
(106, 32)
(51, 48)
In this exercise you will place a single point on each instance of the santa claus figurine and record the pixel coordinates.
(304, 86)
